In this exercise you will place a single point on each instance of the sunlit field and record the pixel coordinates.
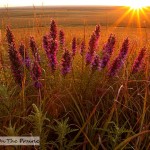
(78, 77)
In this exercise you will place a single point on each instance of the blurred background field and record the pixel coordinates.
(75, 21)
(27, 17)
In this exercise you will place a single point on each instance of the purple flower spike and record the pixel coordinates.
(66, 63)
(16, 64)
(124, 49)
(46, 44)
(119, 61)
(89, 58)
(91, 49)
(34, 49)
(25, 57)
(10, 36)
(97, 31)
(15, 60)
(36, 74)
(107, 51)
(74, 46)
(53, 30)
(51, 47)
(52, 54)
(96, 63)
(82, 49)
(138, 61)
(61, 39)
(93, 44)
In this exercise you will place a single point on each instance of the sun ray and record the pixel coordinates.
(121, 18)
(138, 19)
(131, 18)
(145, 15)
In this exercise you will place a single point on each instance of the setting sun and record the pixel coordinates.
(137, 5)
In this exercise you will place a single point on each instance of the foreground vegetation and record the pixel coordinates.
(79, 90)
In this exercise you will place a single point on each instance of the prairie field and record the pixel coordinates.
(77, 77)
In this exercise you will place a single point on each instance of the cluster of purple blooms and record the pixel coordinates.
(107, 51)
(83, 47)
(25, 57)
(34, 49)
(93, 44)
(139, 61)
(15, 59)
(119, 61)
(50, 45)
(36, 74)
(66, 63)
(74, 46)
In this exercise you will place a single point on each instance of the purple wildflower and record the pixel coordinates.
(97, 31)
(36, 74)
(24, 55)
(93, 44)
(61, 39)
(46, 44)
(15, 60)
(16, 64)
(107, 51)
(34, 49)
(96, 63)
(52, 54)
(51, 48)
(124, 49)
(89, 58)
(138, 61)
(82, 49)
(74, 46)
(91, 49)
(66, 63)
(10, 36)
(53, 30)
(119, 61)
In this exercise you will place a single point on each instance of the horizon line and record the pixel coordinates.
(20, 6)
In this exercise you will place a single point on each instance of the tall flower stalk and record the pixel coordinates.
(82, 48)
(16, 64)
(34, 49)
(93, 44)
(15, 60)
(36, 75)
(66, 63)
(25, 57)
(53, 30)
(107, 51)
(138, 61)
(74, 46)
(119, 61)
(96, 63)
(97, 32)
(50, 47)
(52, 54)
(10, 36)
